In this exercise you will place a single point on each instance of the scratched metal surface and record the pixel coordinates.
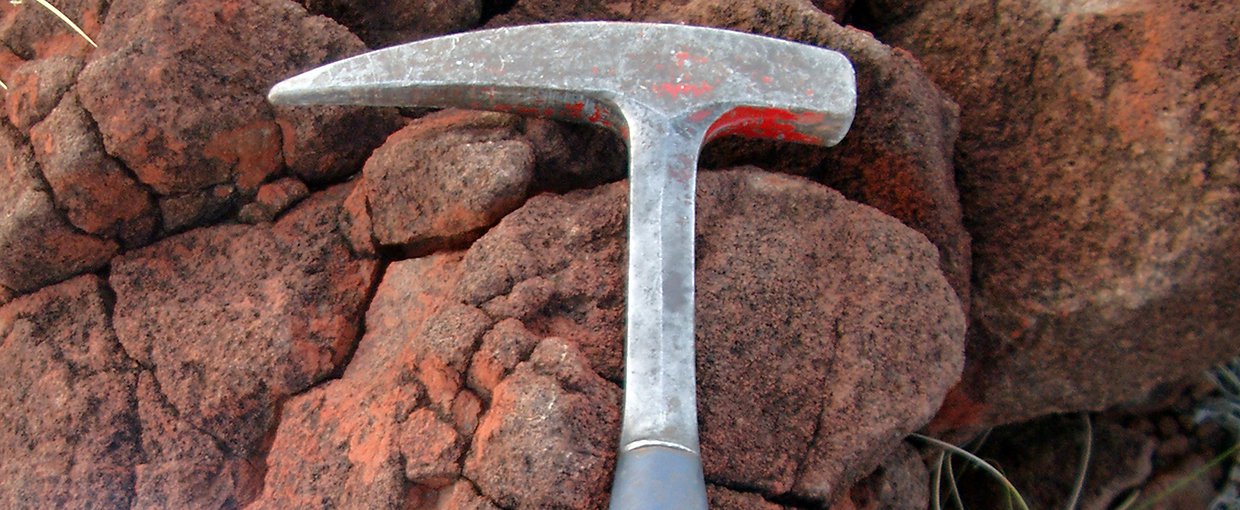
(666, 89)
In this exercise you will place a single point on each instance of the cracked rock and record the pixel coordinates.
(69, 435)
(257, 314)
(36, 87)
(383, 23)
(1099, 162)
(37, 246)
(33, 32)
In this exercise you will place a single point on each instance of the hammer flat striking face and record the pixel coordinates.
(666, 89)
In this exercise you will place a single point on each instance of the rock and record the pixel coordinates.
(446, 177)
(900, 483)
(97, 193)
(835, 8)
(37, 246)
(69, 435)
(1098, 163)
(257, 314)
(272, 199)
(897, 156)
(189, 125)
(515, 346)
(34, 32)
(36, 87)
(528, 12)
(187, 210)
(720, 498)
(384, 23)
(557, 266)
(573, 156)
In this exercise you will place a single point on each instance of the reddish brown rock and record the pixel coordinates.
(900, 483)
(897, 154)
(272, 199)
(526, 12)
(69, 434)
(387, 23)
(445, 177)
(36, 87)
(96, 193)
(836, 8)
(1099, 161)
(573, 156)
(234, 319)
(34, 32)
(720, 498)
(37, 246)
(185, 125)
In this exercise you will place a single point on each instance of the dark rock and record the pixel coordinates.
(900, 483)
(196, 116)
(720, 498)
(836, 8)
(574, 156)
(445, 177)
(196, 208)
(34, 32)
(528, 12)
(272, 199)
(96, 193)
(1098, 160)
(36, 87)
(897, 155)
(37, 246)
(69, 435)
(255, 315)
(387, 23)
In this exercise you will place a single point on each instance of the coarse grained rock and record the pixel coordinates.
(821, 322)
(387, 23)
(1099, 164)
(444, 178)
(897, 155)
(35, 87)
(231, 320)
(96, 193)
(899, 483)
(196, 116)
(33, 32)
(528, 12)
(69, 434)
(38, 246)
(272, 199)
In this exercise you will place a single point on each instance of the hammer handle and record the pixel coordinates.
(658, 478)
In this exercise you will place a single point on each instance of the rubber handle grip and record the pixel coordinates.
(658, 478)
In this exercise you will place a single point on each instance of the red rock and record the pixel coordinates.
(356, 223)
(726, 499)
(96, 193)
(387, 23)
(548, 438)
(208, 114)
(897, 156)
(1098, 168)
(445, 177)
(37, 246)
(34, 32)
(69, 435)
(234, 319)
(272, 199)
(36, 87)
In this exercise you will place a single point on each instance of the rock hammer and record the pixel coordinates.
(666, 90)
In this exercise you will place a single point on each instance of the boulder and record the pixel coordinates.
(69, 434)
(36, 87)
(38, 246)
(187, 126)
(1098, 161)
(897, 156)
(97, 194)
(33, 32)
(821, 322)
(445, 178)
(383, 23)
(231, 321)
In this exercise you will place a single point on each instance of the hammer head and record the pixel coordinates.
(604, 73)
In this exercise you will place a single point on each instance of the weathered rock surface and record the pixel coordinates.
(383, 23)
(36, 87)
(897, 154)
(822, 323)
(1099, 160)
(446, 177)
(899, 483)
(96, 193)
(253, 316)
(69, 435)
(187, 126)
(34, 32)
(272, 199)
(37, 246)
(526, 12)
